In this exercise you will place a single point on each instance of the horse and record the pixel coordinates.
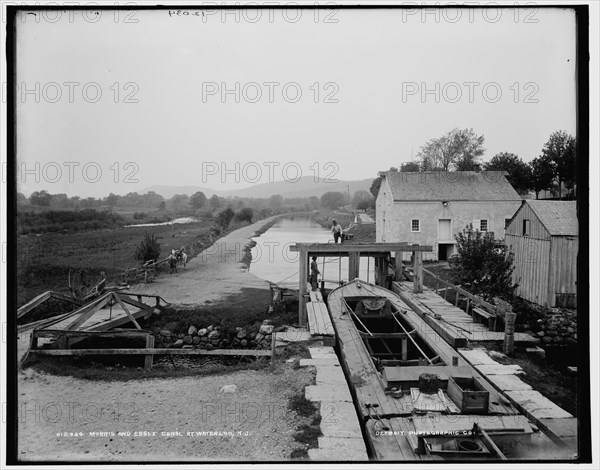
(181, 257)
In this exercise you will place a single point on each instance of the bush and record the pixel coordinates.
(481, 267)
(225, 216)
(244, 215)
(148, 249)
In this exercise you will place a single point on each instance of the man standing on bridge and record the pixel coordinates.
(336, 229)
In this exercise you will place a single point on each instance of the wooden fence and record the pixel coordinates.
(476, 306)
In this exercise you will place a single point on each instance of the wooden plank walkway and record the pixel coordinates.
(555, 422)
(452, 323)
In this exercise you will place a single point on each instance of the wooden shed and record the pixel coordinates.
(543, 237)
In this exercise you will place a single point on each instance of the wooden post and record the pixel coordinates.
(353, 266)
(457, 299)
(149, 358)
(418, 272)
(302, 316)
(398, 267)
(273, 345)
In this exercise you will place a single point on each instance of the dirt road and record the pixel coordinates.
(212, 275)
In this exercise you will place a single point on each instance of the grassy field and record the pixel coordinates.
(44, 260)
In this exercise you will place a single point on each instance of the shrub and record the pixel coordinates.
(148, 249)
(482, 267)
(225, 216)
(244, 215)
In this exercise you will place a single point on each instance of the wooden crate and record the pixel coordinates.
(468, 394)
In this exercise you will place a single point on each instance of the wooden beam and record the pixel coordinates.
(33, 303)
(149, 359)
(122, 304)
(353, 265)
(303, 273)
(88, 310)
(345, 248)
(418, 272)
(156, 351)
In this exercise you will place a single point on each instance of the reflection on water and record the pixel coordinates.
(272, 259)
(181, 220)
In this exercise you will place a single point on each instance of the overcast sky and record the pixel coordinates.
(162, 119)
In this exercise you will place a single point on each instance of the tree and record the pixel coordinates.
(112, 200)
(314, 202)
(542, 175)
(481, 267)
(179, 202)
(409, 167)
(225, 216)
(244, 215)
(197, 200)
(215, 202)
(162, 206)
(332, 200)
(458, 149)
(276, 201)
(560, 152)
(375, 185)
(148, 249)
(361, 196)
(22, 199)
(40, 198)
(519, 173)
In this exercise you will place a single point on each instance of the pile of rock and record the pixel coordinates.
(211, 337)
(557, 328)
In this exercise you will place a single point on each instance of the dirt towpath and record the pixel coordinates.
(214, 274)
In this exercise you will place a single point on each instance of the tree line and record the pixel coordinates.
(462, 150)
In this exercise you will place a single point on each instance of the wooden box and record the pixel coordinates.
(468, 394)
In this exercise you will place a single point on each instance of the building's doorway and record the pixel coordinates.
(445, 251)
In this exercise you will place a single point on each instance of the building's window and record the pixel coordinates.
(506, 222)
(525, 227)
(414, 225)
(483, 225)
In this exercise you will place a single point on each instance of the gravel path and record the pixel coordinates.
(212, 275)
(255, 423)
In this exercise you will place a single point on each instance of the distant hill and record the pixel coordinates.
(304, 187)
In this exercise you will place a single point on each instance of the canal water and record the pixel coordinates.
(273, 261)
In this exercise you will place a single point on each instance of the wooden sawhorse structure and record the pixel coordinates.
(354, 251)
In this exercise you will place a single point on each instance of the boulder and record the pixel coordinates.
(214, 334)
(192, 330)
(196, 340)
(242, 334)
(259, 337)
(187, 339)
(214, 342)
(208, 346)
(210, 328)
(266, 329)
(165, 333)
(202, 332)
(156, 311)
(244, 343)
(204, 339)
(178, 343)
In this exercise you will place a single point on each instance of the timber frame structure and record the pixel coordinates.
(384, 263)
